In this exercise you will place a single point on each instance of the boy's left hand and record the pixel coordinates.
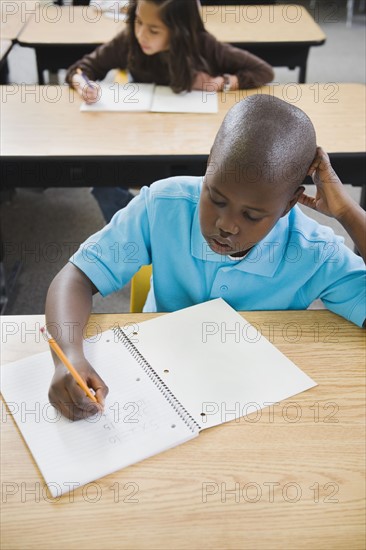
(331, 198)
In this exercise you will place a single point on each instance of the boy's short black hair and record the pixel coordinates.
(267, 139)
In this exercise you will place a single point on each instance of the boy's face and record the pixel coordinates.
(235, 215)
(151, 33)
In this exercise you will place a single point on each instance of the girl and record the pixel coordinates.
(165, 42)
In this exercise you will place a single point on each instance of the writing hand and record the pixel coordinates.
(67, 396)
(90, 93)
(87, 89)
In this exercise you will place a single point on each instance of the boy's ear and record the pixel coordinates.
(299, 191)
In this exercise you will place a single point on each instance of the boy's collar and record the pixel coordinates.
(263, 259)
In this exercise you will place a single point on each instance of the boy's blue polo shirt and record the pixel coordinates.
(297, 262)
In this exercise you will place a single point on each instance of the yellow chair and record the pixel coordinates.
(121, 77)
(140, 285)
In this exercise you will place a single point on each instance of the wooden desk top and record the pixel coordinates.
(46, 121)
(14, 14)
(238, 24)
(262, 24)
(69, 25)
(296, 472)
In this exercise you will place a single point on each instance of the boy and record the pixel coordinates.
(235, 235)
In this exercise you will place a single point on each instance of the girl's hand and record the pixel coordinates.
(331, 198)
(202, 80)
(90, 94)
(89, 91)
(67, 396)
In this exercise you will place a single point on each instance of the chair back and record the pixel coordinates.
(140, 286)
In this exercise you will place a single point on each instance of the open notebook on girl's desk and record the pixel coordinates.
(168, 379)
(134, 96)
(114, 9)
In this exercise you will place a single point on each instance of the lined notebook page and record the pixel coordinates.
(138, 423)
(215, 362)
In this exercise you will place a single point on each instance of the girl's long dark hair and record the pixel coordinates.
(183, 19)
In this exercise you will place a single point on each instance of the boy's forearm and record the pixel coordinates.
(68, 306)
(354, 222)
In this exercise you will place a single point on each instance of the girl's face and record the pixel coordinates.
(151, 33)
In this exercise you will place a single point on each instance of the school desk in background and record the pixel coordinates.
(60, 149)
(281, 34)
(62, 34)
(14, 15)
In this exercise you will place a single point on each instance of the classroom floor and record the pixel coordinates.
(41, 229)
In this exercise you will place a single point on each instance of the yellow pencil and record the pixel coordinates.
(60, 354)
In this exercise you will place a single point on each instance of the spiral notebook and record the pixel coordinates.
(169, 378)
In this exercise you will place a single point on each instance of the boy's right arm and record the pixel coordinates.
(68, 306)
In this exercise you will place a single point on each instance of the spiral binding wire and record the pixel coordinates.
(155, 378)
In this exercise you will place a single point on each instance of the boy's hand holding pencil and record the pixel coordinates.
(76, 389)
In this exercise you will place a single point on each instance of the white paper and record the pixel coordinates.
(116, 16)
(113, 9)
(218, 362)
(127, 97)
(138, 423)
(135, 96)
(166, 101)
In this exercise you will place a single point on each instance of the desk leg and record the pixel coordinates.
(302, 74)
(4, 72)
(350, 7)
(303, 67)
(39, 69)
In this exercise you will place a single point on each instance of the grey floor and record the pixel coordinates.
(41, 229)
